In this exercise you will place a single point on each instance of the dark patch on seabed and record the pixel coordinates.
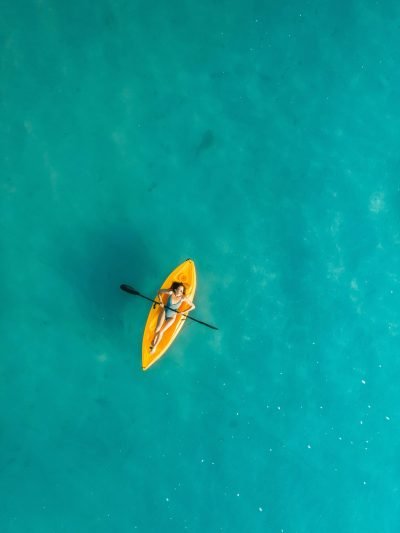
(206, 142)
(109, 256)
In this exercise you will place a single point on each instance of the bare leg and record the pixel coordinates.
(160, 322)
(159, 334)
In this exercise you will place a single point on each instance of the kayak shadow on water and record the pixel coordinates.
(104, 260)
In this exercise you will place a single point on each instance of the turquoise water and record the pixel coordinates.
(262, 140)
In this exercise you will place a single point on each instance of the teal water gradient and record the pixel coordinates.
(261, 140)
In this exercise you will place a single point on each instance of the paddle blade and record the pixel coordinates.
(128, 288)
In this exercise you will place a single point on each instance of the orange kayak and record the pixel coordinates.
(186, 274)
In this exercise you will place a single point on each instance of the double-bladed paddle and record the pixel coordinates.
(131, 290)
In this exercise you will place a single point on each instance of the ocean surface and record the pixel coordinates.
(262, 140)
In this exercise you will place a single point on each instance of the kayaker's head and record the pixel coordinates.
(178, 288)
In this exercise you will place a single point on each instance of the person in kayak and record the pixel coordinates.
(168, 316)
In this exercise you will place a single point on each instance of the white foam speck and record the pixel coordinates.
(335, 271)
(118, 138)
(336, 224)
(28, 126)
(393, 328)
(377, 202)
(354, 285)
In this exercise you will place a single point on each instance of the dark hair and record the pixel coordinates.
(177, 284)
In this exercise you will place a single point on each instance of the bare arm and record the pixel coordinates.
(160, 293)
(192, 306)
